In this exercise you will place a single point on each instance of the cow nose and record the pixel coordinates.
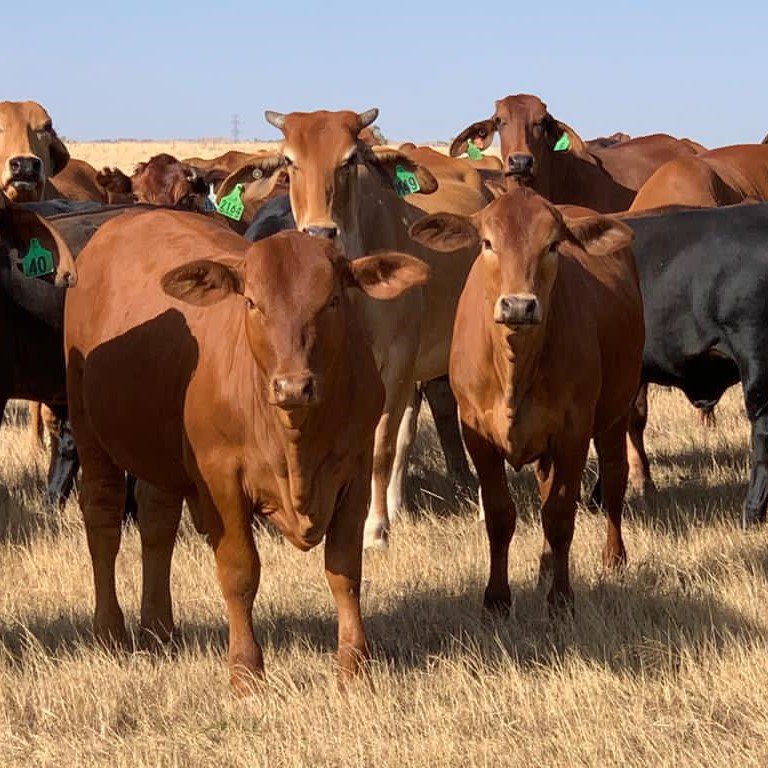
(518, 309)
(291, 391)
(327, 232)
(25, 167)
(520, 165)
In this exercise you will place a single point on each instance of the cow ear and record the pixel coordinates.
(386, 275)
(483, 130)
(258, 175)
(444, 232)
(59, 154)
(495, 188)
(386, 161)
(24, 226)
(600, 235)
(202, 282)
(562, 137)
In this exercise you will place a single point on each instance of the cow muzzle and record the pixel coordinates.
(520, 167)
(23, 178)
(517, 309)
(289, 391)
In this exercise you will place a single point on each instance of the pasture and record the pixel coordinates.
(663, 665)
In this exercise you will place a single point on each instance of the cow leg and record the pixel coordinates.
(560, 488)
(757, 494)
(239, 570)
(35, 424)
(405, 437)
(158, 523)
(343, 567)
(376, 532)
(64, 466)
(101, 501)
(612, 461)
(500, 517)
(445, 413)
(639, 466)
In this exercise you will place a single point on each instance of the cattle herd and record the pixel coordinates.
(253, 334)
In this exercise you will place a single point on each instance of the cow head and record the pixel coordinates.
(163, 180)
(296, 309)
(528, 135)
(521, 237)
(30, 150)
(116, 186)
(323, 157)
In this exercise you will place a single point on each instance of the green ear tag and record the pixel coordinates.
(38, 260)
(405, 182)
(473, 152)
(231, 205)
(562, 143)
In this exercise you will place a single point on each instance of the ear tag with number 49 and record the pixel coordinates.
(38, 260)
(405, 182)
(231, 205)
(562, 143)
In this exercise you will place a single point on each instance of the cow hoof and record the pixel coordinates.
(497, 603)
(376, 538)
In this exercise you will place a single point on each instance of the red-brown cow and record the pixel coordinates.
(546, 354)
(237, 376)
(549, 156)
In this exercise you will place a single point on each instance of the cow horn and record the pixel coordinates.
(367, 117)
(275, 118)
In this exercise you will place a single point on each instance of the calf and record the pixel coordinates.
(545, 355)
(236, 376)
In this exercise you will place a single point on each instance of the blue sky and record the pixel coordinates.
(173, 69)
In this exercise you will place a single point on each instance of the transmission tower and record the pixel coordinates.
(235, 127)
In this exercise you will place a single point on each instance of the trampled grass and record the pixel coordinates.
(663, 665)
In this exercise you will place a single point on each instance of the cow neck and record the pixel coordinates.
(378, 219)
(297, 454)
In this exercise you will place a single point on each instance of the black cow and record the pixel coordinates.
(704, 279)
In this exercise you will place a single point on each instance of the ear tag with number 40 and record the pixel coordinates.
(405, 182)
(562, 143)
(231, 205)
(38, 260)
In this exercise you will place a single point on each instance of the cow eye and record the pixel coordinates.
(487, 245)
(287, 160)
(552, 248)
(47, 127)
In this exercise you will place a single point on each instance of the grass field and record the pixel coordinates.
(661, 666)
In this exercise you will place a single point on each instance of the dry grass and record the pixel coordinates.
(125, 154)
(663, 666)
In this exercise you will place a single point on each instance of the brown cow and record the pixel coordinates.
(549, 156)
(601, 142)
(546, 354)
(163, 180)
(77, 181)
(341, 189)
(30, 151)
(721, 176)
(174, 315)
(116, 186)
